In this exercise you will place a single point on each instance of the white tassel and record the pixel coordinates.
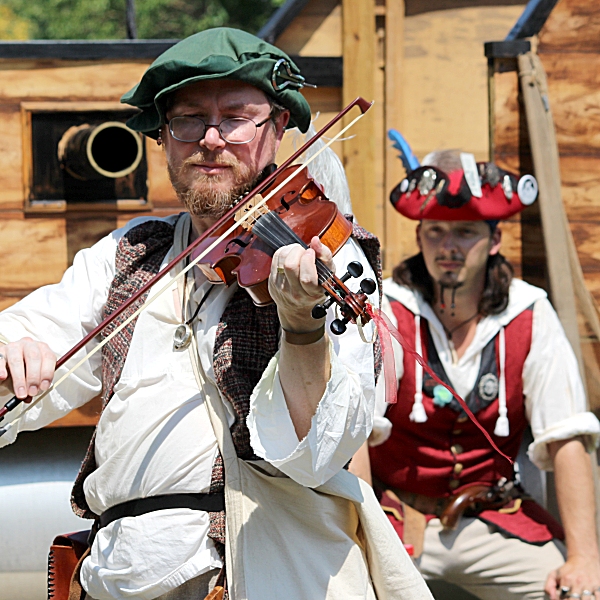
(502, 428)
(326, 169)
(418, 414)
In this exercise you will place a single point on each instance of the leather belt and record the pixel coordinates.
(471, 499)
(142, 506)
(428, 505)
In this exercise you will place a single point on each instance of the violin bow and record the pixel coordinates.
(362, 104)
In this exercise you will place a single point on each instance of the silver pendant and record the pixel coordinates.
(182, 337)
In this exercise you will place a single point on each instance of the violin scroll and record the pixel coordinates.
(352, 305)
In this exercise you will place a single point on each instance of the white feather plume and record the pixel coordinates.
(326, 169)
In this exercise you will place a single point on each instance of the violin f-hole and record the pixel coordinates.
(237, 242)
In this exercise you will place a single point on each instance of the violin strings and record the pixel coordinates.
(275, 232)
(9, 424)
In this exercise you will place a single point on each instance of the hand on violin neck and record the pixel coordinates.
(294, 284)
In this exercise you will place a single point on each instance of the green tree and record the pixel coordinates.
(11, 26)
(156, 19)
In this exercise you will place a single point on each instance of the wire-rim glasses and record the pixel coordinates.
(234, 130)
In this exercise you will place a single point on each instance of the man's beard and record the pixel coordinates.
(206, 200)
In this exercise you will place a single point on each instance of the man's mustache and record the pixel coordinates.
(209, 157)
(452, 257)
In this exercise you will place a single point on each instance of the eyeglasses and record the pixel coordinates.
(236, 130)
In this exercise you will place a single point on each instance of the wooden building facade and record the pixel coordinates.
(422, 61)
(47, 213)
(565, 35)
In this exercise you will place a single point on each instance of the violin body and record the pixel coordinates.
(242, 255)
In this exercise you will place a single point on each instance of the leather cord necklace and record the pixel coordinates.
(449, 333)
(184, 332)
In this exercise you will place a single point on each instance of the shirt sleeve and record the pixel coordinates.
(61, 315)
(344, 416)
(554, 395)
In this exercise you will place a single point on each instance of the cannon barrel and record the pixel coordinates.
(89, 152)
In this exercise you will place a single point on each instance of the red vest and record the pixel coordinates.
(447, 451)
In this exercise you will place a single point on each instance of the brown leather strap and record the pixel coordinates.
(303, 339)
(415, 523)
(217, 593)
(76, 592)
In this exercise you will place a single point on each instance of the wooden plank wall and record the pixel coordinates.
(423, 64)
(46, 242)
(569, 47)
(37, 248)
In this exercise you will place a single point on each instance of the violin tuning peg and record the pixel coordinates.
(338, 326)
(368, 286)
(354, 269)
(319, 311)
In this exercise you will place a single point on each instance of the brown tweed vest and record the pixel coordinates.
(247, 337)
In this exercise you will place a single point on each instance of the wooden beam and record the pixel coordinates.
(359, 48)
(399, 231)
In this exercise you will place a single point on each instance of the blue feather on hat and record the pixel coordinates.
(409, 160)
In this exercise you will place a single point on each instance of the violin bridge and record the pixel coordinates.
(247, 221)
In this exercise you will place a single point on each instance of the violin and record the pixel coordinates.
(254, 218)
(295, 214)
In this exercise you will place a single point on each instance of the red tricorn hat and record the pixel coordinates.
(483, 192)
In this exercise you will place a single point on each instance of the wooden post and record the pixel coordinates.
(399, 231)
(544, 151)
(359, 50)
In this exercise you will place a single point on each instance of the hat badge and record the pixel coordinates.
(527, 189)
(283, 70)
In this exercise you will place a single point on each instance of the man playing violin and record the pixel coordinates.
(219, 103)
(498, 342)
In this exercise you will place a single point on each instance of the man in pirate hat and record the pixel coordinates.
(204, 384)
(498, 343)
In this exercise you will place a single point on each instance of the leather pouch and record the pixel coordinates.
(65, 553)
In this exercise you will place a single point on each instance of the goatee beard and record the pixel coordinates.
(207, 201)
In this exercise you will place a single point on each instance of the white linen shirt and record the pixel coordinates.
(155, 437)
(554, 396)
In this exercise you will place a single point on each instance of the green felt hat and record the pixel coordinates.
(220, 53)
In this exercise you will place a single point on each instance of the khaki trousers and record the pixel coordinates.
(486, 563)
(194, 589)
